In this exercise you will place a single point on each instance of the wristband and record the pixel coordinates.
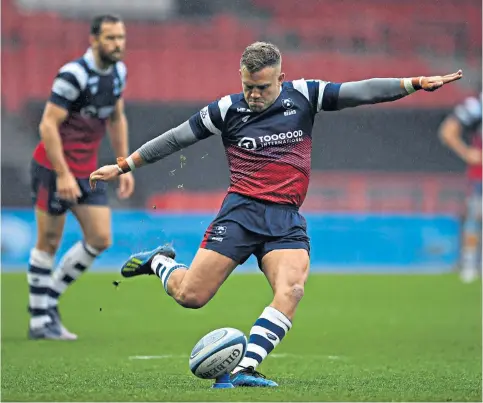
(123, 165)
(413, 84)
(131, 164)
(408, 85)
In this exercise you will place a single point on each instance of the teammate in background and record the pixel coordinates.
(86, 98)
(466, 117)
(266, 131)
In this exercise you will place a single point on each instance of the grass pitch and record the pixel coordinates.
(355, 338)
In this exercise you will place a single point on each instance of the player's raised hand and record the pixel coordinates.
(435, 82)
(126, 185)
(67, 187)
(105, 173)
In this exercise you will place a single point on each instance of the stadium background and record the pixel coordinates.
(385, 195)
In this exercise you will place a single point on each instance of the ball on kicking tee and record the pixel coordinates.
(218, 353)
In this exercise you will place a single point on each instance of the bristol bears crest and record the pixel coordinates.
(288, 104)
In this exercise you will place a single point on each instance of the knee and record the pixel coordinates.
(297, 292)
(190, 299)
(100, 242)
(293, 293)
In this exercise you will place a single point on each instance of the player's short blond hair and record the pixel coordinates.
(259, 55)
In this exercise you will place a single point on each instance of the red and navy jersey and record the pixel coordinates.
(90, 96)
(269, 152)
(469, 114)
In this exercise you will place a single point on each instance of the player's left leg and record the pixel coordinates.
(286, 271)
(94, 217)
(284, 259)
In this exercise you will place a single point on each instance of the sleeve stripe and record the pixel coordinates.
(60, 101)
(322, 85)
(330, 97)
(462, 114)
(224, 103)
(121, 70)
(301, 86)
(78, 72)
(206, 119)
(65, 89)
(122, 73)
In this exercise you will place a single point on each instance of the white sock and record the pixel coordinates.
(39, 280)
(267, 332)
(75, 262)
(163, 267)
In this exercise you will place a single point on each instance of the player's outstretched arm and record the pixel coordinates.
(154, 150)
(378, 90)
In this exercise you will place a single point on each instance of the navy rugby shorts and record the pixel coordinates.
(44, 197)
(246, 226)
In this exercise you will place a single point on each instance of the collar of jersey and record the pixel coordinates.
(91, 62)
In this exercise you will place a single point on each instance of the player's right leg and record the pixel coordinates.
(49, 233)
(50, 220)
(225, 245)
(190, 287)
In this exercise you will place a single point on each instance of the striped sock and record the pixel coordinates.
(39, 280)
(266, 333)
(75, 262)
(163, 267)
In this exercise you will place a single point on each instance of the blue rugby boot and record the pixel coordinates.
(140, 263)
(248, 377)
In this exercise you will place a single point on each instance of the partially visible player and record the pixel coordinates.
(467, 117)
(86, 99)
(267, 134)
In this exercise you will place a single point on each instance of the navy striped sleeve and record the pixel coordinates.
(120, 83)
(68, 84)
(313, 88)
(207, 122)
(210, 119)
(329, 97)
(322, 95)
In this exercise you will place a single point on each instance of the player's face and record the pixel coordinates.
(110, 43)
(262, 88)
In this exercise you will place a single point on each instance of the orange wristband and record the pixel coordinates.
(123, 165)
(416, 82)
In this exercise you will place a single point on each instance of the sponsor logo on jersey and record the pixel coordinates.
(281, 138)
(248, 143)
(92, 112)
(275, 139)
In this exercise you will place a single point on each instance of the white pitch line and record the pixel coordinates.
(283, 355)
(155, 357)
(307, 356)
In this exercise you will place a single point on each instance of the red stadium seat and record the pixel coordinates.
(338, 41)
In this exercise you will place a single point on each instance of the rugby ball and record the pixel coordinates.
(218, 353)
